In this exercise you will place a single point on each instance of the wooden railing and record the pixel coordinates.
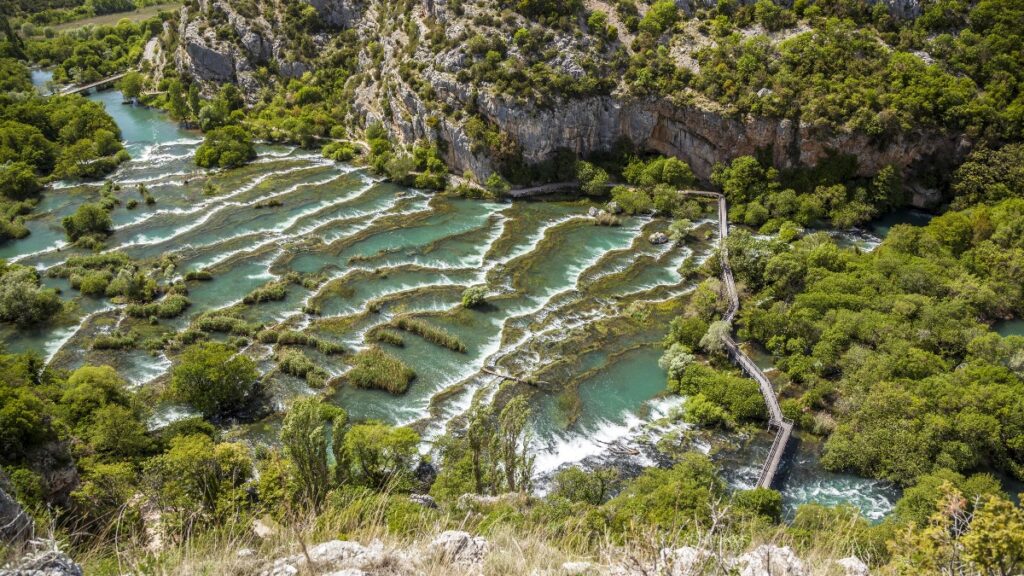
(782, 425)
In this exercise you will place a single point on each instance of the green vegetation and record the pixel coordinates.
(170, 307)
(90, 53)
(46, 138)
(374, 368)
(23, 301)
(216, 380)
(429, 333)
(474, 296)
(89, 222)
(296, 363)
(898, 338)
(225, 147)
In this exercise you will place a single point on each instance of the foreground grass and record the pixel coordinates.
(519, 542)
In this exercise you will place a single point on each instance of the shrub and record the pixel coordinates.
(169, 307)
(295, 363)
(339, 151)
(429, 333)
(115, 341)
(225, 147)
(214, 379)
(18, 181)
(88, 220)
(474, 296)
(23, 301)
(373, 368)
(379, 455)
(632, 200)
(273, 291)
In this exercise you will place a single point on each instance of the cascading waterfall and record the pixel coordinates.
(581, 306)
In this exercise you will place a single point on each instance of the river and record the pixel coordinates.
(582, 307)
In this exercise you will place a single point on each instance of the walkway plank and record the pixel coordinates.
(782, 425)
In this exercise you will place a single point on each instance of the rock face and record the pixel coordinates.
(337, 13)
(853, 566)
(437, 104)
(15, 524)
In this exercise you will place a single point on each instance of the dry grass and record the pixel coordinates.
(537, 548)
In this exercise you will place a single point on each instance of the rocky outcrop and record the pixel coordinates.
(200, 55)
(15, 525)
(338, 13)
(459, 548)
(43, 559)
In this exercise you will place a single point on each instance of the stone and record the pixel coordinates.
(577, 568)
(15, 524)
(685, 561)
(349, 572)
(245, 553)
(767, 560)
(764, 92)
(853, 566)
(459, 548)
(45, 559)
(335, 552)
(424, 500)
(658, 238)
(592, 212)
(614, 207)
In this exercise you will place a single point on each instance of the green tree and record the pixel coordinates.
(591, 487)
(379, 455)
(305, 441)
(225, 147)
(18, 181)
(88, 220)
(215, 380)
(132, 85)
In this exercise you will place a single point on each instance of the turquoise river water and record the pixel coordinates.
(581, 307)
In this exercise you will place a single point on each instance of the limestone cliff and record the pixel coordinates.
(442, 92)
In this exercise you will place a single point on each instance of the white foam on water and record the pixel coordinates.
(61, 337)
(575, 446)
(145, 240)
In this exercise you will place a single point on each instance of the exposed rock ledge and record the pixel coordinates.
(459, 553)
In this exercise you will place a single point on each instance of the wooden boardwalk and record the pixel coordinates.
(783, 426)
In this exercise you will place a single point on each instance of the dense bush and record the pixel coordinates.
(23, 301)
(89, 220)
(214, 379)
(225, 147)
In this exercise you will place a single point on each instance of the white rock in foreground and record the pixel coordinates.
(460, 548)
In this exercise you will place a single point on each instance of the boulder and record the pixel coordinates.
(767, 560)
(592, 212)
(45, 559)
(853, 566)
(423, 500)
(614, 207)
(658, 238)
(685, 561)
(459, 548)
(578, 568)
